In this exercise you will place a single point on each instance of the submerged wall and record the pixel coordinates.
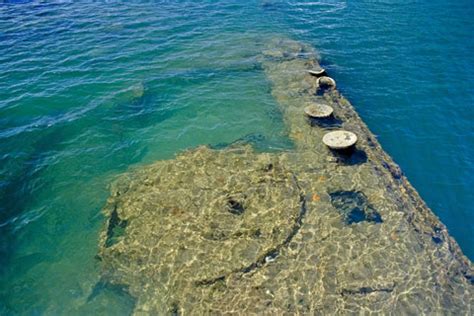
(308, 230)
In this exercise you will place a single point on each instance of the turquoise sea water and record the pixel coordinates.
(88, 90)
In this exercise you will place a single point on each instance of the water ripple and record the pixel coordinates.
(88, 89)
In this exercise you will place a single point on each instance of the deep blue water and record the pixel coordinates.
(89, 89)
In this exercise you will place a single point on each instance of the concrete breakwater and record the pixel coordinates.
(301, 231)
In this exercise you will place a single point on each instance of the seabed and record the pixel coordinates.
(305, 231)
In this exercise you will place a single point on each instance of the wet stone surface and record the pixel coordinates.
(302, 231)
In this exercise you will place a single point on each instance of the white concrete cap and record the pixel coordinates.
(318, 110)
(340, 139)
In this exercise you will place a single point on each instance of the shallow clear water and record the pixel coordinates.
(88, 90)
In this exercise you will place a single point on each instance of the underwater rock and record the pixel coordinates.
(132, 94)
(186, 219)
(138, 90)
(354, 207)
(232, 231)
(273, 53)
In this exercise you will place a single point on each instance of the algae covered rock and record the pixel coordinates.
(304, 231)
(195, 220)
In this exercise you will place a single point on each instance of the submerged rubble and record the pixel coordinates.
(300, 231)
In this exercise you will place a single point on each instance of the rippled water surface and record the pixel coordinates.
(89, 89)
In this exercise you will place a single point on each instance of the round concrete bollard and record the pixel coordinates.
(318, 111)
(341, 141)
(317, 72)
(326, 82)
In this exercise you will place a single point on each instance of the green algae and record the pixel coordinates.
(235, 231)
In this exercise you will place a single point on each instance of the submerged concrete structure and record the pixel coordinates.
(303, 231)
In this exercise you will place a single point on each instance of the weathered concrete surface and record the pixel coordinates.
(306, 231)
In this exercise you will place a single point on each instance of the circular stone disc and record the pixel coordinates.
(339, 139)
(318, 110)
(326, 82)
